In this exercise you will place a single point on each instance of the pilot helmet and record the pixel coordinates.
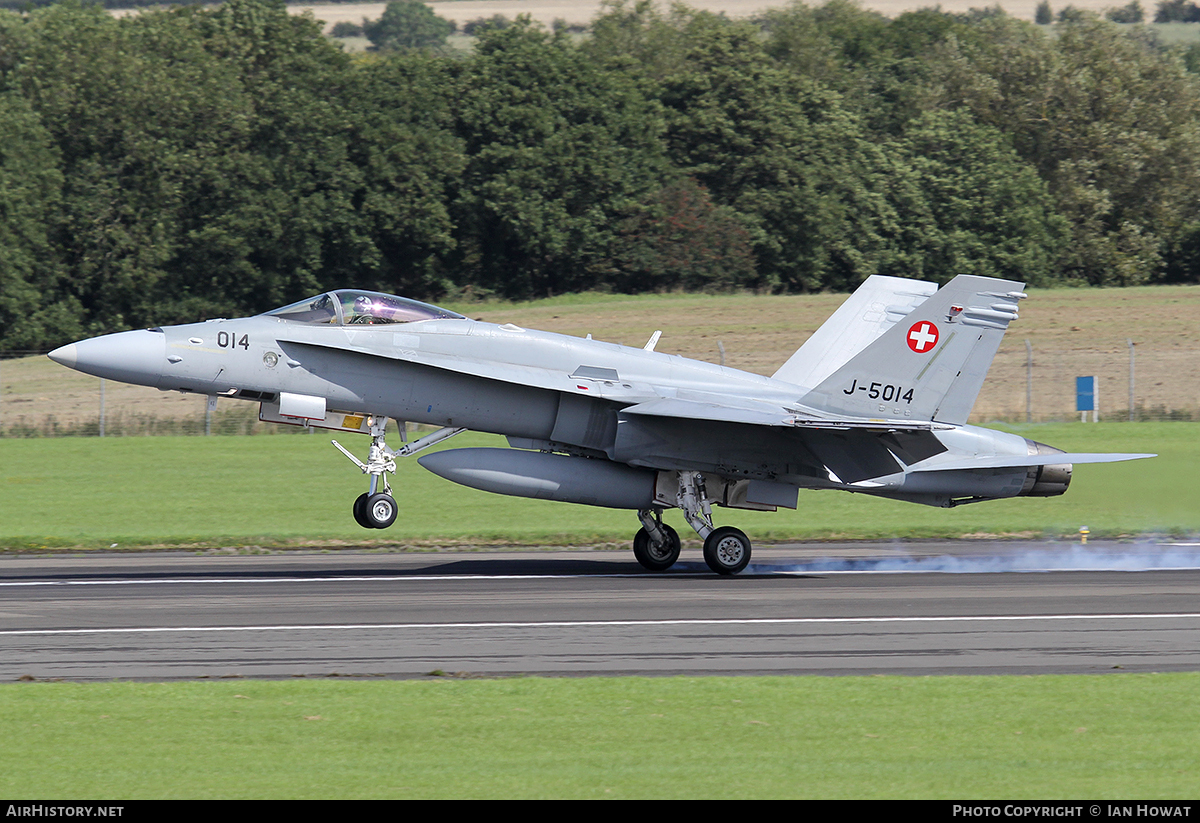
(364, 305)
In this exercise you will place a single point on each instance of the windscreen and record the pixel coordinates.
(351, 307)
(320, 309)
(373, 308)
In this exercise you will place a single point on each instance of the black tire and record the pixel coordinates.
(360, 511)
(380, 511)
(656, 558)
(727, 550)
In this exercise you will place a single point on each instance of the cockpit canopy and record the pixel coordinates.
(351, 307)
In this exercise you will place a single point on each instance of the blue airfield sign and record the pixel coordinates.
(1086, 397)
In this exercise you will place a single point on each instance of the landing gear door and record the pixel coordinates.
(299, 415)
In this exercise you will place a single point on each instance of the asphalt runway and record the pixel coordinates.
(569, 613)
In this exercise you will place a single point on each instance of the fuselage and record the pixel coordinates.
(543, 390)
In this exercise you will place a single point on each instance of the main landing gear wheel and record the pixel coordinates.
(727, 550)
(380, 511)
(657, 557)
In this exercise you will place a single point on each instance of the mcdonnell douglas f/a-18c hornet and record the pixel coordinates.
(876, 401)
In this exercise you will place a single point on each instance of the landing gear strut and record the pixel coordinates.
(656, 545)
(376, 509)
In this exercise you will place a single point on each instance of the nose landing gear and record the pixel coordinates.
(376, 509)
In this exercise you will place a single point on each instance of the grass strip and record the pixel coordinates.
(1090, 736)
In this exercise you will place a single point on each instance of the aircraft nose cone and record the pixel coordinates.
(128, 356)
(64, 355)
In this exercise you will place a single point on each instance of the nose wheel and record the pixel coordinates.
(375, 511)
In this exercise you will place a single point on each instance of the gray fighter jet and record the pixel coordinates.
(876, 401)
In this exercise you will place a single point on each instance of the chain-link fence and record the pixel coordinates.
(1038, 384)
(42, 399)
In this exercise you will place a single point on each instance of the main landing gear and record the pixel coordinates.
(656, 545)
(376, 508)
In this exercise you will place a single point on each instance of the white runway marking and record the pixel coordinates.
(758, 621)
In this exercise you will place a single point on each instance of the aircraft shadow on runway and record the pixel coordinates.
(473, 567)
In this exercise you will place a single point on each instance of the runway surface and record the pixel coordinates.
(155, 616)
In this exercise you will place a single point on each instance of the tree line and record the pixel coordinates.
(219, 161)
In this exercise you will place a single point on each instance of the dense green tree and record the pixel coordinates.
(559, 148)
(34, 311)
(680, 239)
(346, 29)
(780, 150)
(198, 161)
(404, 144)
(1131, 13)
(407, 24)
(1070, 14)
(140, 116)
(834, 43)
(988, 211)
(1110, 124)
(481, 24)
(885, 69)
(1177, 11)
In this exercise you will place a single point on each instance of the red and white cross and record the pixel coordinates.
(922, 336)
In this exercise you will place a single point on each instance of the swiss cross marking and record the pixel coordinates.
(922, 337)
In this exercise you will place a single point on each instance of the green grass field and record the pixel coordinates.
(1094, 737)
(297, 490)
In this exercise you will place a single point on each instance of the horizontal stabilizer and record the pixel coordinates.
(1015, 461)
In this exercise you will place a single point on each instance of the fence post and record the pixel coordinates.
(1130, 343)
(1028, 381)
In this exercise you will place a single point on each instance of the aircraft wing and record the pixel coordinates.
(519, 374)
(755, 413)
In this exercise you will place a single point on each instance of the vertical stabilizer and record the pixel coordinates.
(931, 365)
(877, 305)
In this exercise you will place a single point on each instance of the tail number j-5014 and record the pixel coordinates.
(884, 391)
